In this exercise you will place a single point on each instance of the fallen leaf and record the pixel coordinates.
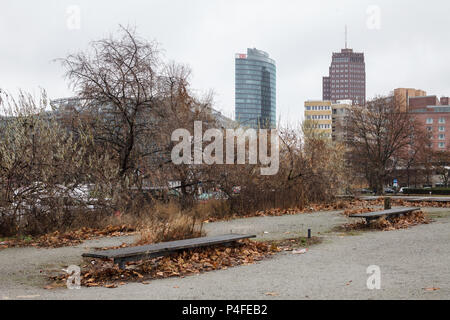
(273, 294)
(432, 289)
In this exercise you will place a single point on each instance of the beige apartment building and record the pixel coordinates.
(320, 114)
(328, 118)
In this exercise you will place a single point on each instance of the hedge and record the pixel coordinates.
(434, 191)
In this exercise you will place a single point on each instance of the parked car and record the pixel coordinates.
(365, 191)
(389, 190)
(403, 189)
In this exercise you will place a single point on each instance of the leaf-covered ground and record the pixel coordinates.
(71, 238)
(106, 274)
(383, 224)
(63, 239)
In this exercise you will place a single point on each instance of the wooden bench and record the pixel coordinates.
(121, 256)
(385, 213)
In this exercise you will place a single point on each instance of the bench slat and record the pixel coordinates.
(384, 213)
(166, 247)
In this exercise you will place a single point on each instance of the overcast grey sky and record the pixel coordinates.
(406, 45)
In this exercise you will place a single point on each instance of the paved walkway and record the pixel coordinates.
(410, 261)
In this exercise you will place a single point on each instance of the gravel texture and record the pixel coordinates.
(410, 261)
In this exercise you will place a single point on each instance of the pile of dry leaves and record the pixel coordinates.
(277, 212)
(58, 239)
(429, 204)
(350, 212)
(401, 222)
(106, 274)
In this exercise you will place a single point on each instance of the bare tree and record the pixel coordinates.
(441, 162)
(119, 82)
(414, 158)
(380, 132)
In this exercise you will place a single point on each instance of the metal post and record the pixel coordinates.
(387, 203)
(309, 233)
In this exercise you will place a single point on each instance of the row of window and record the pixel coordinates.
(337, 82)
(359, 90)
(440, 136)
(322, 126)
(255, 64)
(347, 67)
(346, 75)
(319, 117)
(318, 108)
(345, 72)
(253, 93)
(441, 129)
(431, 120)
(248, 86)
(252, 77)
(341, 59)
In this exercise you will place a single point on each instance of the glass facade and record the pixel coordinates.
(255, 82)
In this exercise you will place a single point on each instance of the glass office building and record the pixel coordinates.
(255, 89)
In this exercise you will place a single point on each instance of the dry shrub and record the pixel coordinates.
(168, 222)
(214, 208)
(340, 205)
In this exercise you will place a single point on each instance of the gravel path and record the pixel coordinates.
(410, 260)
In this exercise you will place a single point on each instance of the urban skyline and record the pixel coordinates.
(193, 150)
(414, 56)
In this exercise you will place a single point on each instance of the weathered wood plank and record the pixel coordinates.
(378, 214)
(164, 247)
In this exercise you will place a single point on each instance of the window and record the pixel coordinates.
(430, 129)
(441, 120)
(442, 129)
(441, 145)
(429, 121)
(442, 137)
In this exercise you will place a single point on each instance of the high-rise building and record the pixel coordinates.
(255, 94)
(347, 78)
